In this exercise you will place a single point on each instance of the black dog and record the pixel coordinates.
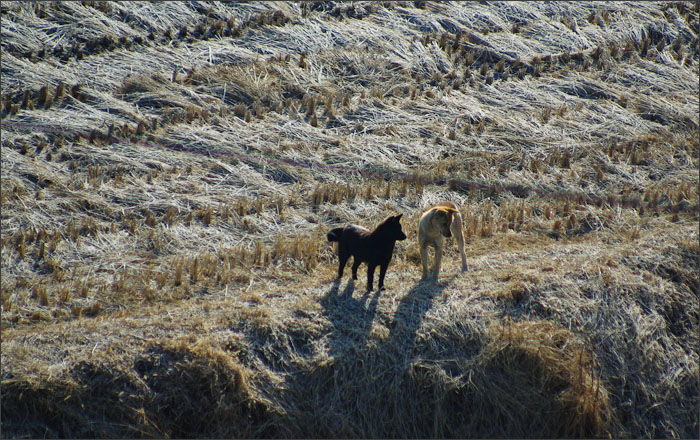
(374, 248)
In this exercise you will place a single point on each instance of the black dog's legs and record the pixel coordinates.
(342, 260)
(370, 276)
(355, 264)
(382, 272)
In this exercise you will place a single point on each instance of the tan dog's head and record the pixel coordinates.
(442, 219)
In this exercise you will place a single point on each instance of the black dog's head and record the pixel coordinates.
(392, 228)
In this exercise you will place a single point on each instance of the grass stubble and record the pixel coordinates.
(166, 190)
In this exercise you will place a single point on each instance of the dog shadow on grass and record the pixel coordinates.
(351, 315)
(410, 313)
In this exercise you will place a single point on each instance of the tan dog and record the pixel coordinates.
(435, 224)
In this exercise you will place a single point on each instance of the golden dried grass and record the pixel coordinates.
(144, 204)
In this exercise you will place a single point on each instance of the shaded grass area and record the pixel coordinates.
(200, 392)
(418, 360)
(178, 389)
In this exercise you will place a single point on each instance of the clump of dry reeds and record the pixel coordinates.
(534, 359)
(214, 382)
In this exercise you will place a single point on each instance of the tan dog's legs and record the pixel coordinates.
(438, 261)
(424, 259)
(456, 229)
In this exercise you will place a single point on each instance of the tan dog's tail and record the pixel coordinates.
(448, 204)
(445, 209)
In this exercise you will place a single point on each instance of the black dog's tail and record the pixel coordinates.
(335, 234)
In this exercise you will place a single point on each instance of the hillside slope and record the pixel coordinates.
(170, 170)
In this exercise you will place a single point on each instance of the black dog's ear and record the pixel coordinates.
(398, 217)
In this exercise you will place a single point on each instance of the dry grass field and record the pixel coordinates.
(170, 171)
